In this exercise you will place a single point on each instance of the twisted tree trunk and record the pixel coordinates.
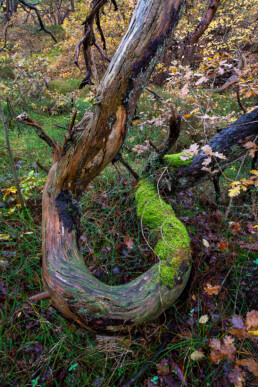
(88, 148)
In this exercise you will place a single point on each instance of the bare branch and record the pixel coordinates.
(25, 119)
(38, 297)
(34, 8)
(101, 52)
(156, 95)
(45, 169)
(119, 157)
(100, 30)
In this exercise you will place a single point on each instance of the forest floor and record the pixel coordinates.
(206, 330)
(208, 337)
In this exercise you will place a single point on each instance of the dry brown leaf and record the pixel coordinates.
(223, 246)
(128, 242)
(251, 320)
(237, 377)
(235, 227)
(251, 364)
(237, 322)
(209, 289)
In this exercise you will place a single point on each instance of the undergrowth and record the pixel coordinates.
(39, 347)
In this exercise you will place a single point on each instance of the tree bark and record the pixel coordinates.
(189, 45)
(91, 146)
(229, 142)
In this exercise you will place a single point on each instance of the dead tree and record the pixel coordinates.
(88, 148)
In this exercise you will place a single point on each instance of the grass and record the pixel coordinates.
(39, 347)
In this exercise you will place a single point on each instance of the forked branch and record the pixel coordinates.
(41, 24)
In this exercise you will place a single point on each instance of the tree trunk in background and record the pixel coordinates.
(190, 42)
(73, 290)
(184, 51)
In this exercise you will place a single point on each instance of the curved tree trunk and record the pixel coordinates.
(73, 290)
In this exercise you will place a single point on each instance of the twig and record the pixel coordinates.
(79, 46)
(101, 52)
(156, 95)
(217, 186)
(100, 30)
(42, 26)
(45, 169)
(239, 100)
(25, 119)
(119, 157)
(153, 146)
(17, 184)
(68, 134)
(149, 363)
(60, 126)
(173, 133)
(40, 296)
(96, 7)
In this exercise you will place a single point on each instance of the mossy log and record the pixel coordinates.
(91, 146)
(229, 142)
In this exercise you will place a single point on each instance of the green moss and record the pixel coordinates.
(173, 246)
(175, 161)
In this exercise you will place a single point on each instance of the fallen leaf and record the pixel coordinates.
(163, 367)
(197, 355)
(203, 319)
(209, 289)
(237, 377)
(223, 246)
(235, 227)
(237, 322)
(128, 242)
(205, 243)
(251, 364)
(251, 321)
(4, 237)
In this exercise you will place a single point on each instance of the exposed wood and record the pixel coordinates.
(40, 296)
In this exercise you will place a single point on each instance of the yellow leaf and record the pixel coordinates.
(4, 237)
(234, 191)
(255, 333)
(187, 115)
